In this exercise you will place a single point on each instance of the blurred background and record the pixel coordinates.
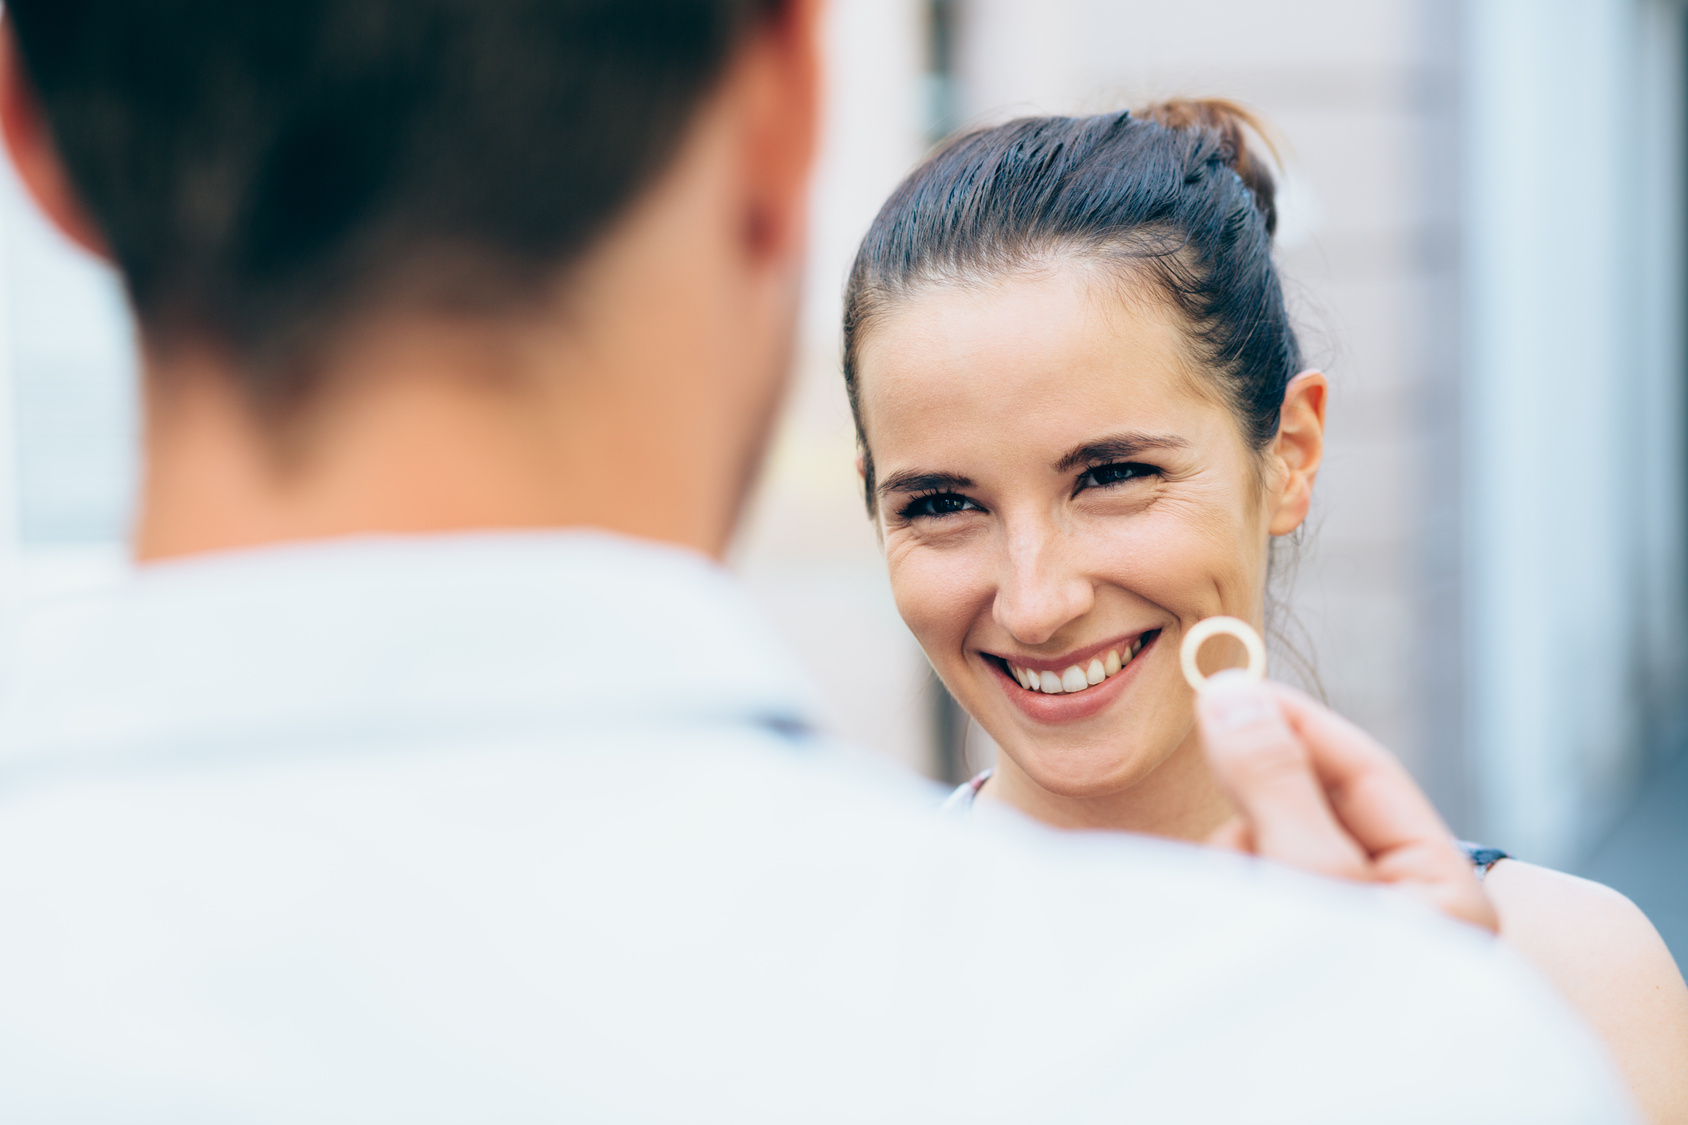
(1483, 236)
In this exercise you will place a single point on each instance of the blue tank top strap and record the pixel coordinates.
(1482, 857)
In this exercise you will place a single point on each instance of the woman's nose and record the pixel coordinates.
(1038, 595)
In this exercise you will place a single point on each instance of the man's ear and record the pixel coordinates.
(30, 144)
(1298, 449)
(781, 68)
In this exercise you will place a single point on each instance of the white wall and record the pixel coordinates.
(1572, 258)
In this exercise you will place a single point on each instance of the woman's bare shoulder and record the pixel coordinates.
(1608, 960)
(1550, 910)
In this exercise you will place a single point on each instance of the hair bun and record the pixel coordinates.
(1231, 123)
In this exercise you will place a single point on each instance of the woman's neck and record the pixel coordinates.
(1178, 798)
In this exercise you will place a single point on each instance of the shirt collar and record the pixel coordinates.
(383, 636)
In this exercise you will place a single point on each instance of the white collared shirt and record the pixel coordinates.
(534, 827)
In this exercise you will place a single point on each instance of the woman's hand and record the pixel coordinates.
(1316, 792)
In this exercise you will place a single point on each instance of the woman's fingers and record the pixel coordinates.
(1371, 791)
(1268, 774)
(1379, 802)
(1376, 803)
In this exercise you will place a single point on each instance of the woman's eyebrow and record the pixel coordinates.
(1119, 447)
(915, 480)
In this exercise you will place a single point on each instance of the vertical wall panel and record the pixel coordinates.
(1659, 407)
(1564, 361)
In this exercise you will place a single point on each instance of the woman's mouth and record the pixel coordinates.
(1079, 676)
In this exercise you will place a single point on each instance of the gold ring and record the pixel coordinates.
(1205, 631)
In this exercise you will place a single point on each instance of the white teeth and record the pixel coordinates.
(1076, 678)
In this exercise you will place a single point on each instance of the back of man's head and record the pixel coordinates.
(262, 172)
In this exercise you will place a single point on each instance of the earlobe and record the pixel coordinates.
(29, 143)
(1298, 449)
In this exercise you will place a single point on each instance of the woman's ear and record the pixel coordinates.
(30, 144)
(1298, 449)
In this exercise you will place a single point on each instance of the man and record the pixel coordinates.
(387, 791)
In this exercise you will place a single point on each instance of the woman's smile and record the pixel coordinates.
(1074, 686)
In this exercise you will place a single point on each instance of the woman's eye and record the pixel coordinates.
(1103, 475)
(937, 504)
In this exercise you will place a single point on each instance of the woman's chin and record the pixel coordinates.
(1084, 772)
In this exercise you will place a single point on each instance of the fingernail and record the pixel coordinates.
(1230, 699)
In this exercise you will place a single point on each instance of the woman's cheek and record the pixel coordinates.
(933, 591)
(1165, 561)
(1187, 549)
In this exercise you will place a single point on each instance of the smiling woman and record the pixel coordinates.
(1083, 418)
(1059, 489)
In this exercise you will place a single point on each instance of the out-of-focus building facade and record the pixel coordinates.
(1482, 237)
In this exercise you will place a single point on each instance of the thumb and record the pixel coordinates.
(1268, 773)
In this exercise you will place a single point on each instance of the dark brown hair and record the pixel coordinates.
(1172, 196)
(261, 170)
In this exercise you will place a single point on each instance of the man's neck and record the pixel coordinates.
(430, 428)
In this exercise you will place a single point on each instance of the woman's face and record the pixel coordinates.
(1061, 496)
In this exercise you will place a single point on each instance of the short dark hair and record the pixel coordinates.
(263, 169)
(1171, 195)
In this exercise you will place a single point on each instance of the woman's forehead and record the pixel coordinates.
(1046, 358)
